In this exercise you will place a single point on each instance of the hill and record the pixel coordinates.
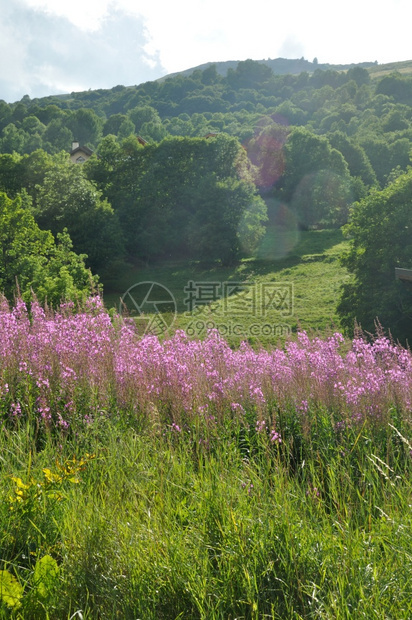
(279, 66)
(404, 68)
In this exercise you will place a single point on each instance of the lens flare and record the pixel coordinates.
(282, 233)
(322, 197)
(265, 151)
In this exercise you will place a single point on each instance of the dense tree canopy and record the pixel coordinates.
(381, 231)
(67, 199)
(181, 197)
(32, 263)
(373, 114)
(316, 181)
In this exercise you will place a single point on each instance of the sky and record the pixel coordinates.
(50, 47)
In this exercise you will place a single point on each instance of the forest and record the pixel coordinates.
(217, 159)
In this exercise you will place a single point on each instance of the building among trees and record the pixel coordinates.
(80, 154)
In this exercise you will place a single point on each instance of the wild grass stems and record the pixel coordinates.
(183, 479)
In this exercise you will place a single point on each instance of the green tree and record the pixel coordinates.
(18, 172)
(210, 75)
(381, 231)
(356, 158)
(316, 181)
(171, 195)
(113, 123)
(227, 219)
(126, 129)
(33, 168)
(57, 136)
(32, 263)
(5, 114)
(400, 154)
(394, 121)
(48, 113)
(63, 275)
(10, 177)
(249, 74)
(12, 139)
(359, 74)
(396, 86)
(67, 199)
(143, 114)
(85, 126)
(378, 152)
(153, 131)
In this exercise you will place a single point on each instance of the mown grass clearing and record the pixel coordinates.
(307, 262)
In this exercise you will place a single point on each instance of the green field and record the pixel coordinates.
(303, 264)
(206, 527)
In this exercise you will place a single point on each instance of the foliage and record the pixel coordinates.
(32, 263)
(26, 172)
(316, 181)
(329, 99)
(356, 158)
(67, 199)
(34, 506)
(181, 197)
(10, 589)
(380, 228)
(229, 481)
(319, 137)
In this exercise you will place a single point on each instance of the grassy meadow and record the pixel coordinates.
(378, 71)
(176, 477)
(305, 261)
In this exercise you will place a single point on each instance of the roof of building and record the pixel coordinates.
(81, 149)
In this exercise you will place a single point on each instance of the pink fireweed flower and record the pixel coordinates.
(237, 407)
(15, 409)
(275, 437)
(92, 363)
(260, 426)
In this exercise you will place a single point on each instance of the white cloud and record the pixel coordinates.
(191, 32)
(47, 54)
(82, 14)
(51, 45)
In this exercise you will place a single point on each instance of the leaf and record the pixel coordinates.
(10, 589)
(45, 575)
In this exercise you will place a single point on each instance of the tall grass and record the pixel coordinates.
(184, 479)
